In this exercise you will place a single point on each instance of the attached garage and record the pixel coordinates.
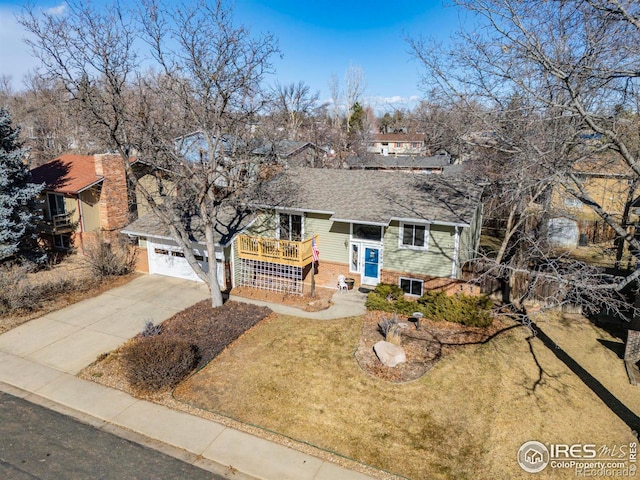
(165, 257)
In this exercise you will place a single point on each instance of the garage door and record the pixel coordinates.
(167, 258)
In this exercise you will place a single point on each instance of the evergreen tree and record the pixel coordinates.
(356, 121)
(19, 212)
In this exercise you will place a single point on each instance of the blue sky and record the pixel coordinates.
(317, 38)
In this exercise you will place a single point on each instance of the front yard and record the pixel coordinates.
(298, 381)
(466, 418)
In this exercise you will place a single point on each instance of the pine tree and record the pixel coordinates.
(19, 198)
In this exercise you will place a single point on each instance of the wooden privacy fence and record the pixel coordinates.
(545, 292)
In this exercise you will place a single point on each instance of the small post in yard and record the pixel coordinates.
(313, 279)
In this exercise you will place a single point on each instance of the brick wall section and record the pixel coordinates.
(114, 199)
(449, 285)
(327, 275)
(142, 260)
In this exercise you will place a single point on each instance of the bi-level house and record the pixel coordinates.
(415, 231)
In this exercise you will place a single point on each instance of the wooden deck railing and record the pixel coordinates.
(60, 223)
(276, 251)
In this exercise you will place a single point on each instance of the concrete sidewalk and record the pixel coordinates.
(345, 304)
(40, 359)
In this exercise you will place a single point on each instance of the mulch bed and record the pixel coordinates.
(213, 329)
(423, 347)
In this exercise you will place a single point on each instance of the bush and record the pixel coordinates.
(27, 287)
(389, 298)
(158, 361)
(110, 258)
(460, 308)
(151, 330)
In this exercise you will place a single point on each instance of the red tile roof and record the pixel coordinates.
(67, 174)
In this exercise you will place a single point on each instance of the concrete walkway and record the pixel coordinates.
(345, 304)
(40, 359)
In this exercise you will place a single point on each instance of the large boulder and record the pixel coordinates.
(389, 354)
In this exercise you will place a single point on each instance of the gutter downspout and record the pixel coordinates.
(80, 222)
(456, 253)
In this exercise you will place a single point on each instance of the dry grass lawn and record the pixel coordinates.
(466, 418)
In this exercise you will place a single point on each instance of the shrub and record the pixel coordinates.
(151, 330)
(110, 258)
(159, 361)
(389, 291)
(389, 298)
(25, 288)
(460, 308)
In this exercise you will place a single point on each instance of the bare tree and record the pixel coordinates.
(206, 76)
(354, 87)
(346, 98)
(545, 74)
(296, 105)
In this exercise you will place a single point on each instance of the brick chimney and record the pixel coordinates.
(114, 198)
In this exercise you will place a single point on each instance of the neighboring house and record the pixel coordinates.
(292, 153)
(397, 144)
(415, 231)
(83, 194)
(609, 183)
(435, 164)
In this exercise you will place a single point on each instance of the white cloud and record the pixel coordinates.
(58, 10)
(395, 101)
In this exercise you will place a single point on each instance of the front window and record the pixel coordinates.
(290, 227)
(371, 233)
(411, 286)
(414, 236)
(62, 242)
(56, 204)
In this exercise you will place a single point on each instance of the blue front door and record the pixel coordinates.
(371, 274)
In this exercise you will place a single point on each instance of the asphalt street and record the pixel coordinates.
(36, 443)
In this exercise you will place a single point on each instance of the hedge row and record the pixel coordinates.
(459, 308)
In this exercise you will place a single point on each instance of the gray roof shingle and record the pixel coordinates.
(360, 196)
(374, 196)
(229, 223)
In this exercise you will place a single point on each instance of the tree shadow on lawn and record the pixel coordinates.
(615, 347)
(611, 401)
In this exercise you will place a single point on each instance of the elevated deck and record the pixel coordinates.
(284, 252)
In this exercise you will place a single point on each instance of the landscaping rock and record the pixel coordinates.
(389, 354)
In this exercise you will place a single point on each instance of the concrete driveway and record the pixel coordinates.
(40, 359)
(71, 338)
